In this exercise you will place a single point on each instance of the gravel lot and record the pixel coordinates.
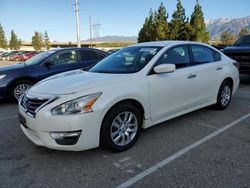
(221, 161)
(7, 63)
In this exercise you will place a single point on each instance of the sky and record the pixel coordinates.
(115, 17)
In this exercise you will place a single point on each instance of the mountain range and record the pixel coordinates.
(114, 38)
(233, 25)
(214, 26)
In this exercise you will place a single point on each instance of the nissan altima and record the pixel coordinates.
(130, 90)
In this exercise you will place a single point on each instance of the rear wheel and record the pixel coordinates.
(19, 88)
(121, 127)
(224, 95)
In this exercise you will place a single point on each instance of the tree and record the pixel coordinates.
(3, 40)
(161, 28)
(227, 38)
(198, 25)
(14, 42)
(178, 24)
(186, 34)
(244, 31)
(46, 41)
(37, 41)
(155, 26)
(147, 31)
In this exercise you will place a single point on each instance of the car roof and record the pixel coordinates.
(75, 48)
(166, 43)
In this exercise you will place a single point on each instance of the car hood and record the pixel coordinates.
(237, 49)
(73, 82)
(12, 67)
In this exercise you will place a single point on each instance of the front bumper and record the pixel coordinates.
(39, 129)
(3, 89)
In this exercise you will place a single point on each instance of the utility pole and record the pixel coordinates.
(78, 25)
(90, 31)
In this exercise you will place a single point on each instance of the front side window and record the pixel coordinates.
(177, 55)
(64, 57)
(126, 60)
(202, 54)
(39, 57)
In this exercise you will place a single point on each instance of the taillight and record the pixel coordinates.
(237, 65)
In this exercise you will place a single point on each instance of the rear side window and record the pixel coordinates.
(176, 55)
(202, 54)
(217, 56)
(88, 55)
(101, 56)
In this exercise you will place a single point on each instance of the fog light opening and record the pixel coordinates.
(66, 138)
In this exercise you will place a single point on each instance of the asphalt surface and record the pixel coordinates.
(222, 161)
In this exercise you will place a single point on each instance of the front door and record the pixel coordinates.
(175, 92)
(62, 61)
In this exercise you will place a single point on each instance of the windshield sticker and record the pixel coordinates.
(151, 50)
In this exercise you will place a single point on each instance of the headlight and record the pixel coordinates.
(77, 106)
(2, 76)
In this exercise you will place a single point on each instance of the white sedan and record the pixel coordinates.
(132, 89)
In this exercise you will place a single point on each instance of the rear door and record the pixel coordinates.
(171, 93)
(88, 58)
(208, 68)
(61, 61)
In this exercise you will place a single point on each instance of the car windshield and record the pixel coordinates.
(126, 60)
(37, 58)
(243, 41)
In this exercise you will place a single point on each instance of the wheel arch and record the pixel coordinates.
(132, 101)
(19, 79)
(230, 80)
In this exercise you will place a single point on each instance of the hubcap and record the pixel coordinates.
(225, 95)
(124, 128)
(20, 90)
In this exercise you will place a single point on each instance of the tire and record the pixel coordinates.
(125, 133)
(22, 86)
(224, 95)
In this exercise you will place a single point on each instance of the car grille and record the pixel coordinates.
(32, 104)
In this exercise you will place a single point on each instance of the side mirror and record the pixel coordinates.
(48, 63)
(165, 68)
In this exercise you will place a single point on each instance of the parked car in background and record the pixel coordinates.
(16, 79)
(7, 55)
(2, 54)
(240, 51)
(136, 87)
(15, 56)
(112, 51)
(27, 55)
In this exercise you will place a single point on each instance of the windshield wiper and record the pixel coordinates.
(103, 71)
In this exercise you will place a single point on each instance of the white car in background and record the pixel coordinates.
(133, 88)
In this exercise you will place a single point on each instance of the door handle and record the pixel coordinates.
(191, 76)
(219, 68)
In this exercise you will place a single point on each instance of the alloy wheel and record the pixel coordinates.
(225, 95)
(20, 90)
(124, 128)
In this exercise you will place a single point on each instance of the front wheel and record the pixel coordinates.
(121, 127)
(19, 88)
(224, 95)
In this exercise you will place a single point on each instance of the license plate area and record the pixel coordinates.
(22, 120)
